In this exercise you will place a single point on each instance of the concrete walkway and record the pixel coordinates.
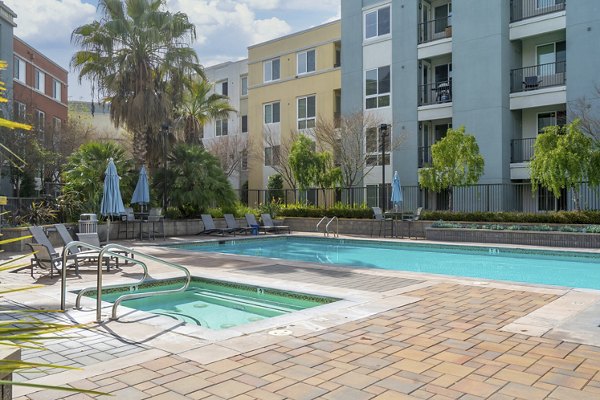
(394, 335)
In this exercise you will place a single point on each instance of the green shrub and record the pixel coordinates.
(339, 210)
(560, 217)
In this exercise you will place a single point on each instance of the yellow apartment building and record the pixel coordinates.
(292, 81)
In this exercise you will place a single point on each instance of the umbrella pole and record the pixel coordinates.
(108, 230)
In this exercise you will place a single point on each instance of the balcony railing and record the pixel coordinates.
(538, 77)
(424, 156)
(521, 150)
(435, 93)
(435, 29)
(523, 9)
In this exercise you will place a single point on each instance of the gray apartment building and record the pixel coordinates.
(504, 69)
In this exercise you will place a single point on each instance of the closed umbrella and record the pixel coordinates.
(141, 194)
(112, 202)
(396, 190)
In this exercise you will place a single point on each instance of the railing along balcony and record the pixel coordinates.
(523, 9)
(435, 93)
(424, 154)
(435, 29)
(538, 76)
(521, 150)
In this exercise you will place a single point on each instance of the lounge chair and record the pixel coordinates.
(83, 255)
(94, 240)
(45, 256)
(234, 225)
(210, 228)
(270, 225)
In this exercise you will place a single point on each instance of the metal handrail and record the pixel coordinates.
(337, 226)
(325, 218)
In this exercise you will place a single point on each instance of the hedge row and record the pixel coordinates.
(560, 217)
(314, 212)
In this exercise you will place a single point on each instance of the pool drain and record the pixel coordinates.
(280, 332)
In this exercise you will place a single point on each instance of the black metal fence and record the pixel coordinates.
(435, 93)
(538, 76)
(523, 9)
(521, 150)
(435, 29)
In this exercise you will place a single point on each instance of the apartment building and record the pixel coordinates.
(7, 24)
(293, 80)
(497, 67)
(227, 138)
(40, 91)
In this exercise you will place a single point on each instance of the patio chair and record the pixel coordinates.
(210, 228)
(83, 255)
(234, 225)
(415, 217)
(45, 256)
(531, 82)
(155, 218)
(270, 225)
(382, 220)
(128, 220)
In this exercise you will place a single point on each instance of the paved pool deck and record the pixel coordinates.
(394, 335)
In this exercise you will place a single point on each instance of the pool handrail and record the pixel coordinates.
(337, 227)
(325, 218)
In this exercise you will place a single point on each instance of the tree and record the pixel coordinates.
(564, 157)
(327, 176)
(587, 111)
(138, 57)
(196, 180)
(198, 107)
(284, 145)
(230, 150)
(275, 187)
(455, 162)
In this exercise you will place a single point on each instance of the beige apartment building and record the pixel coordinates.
(292, 81)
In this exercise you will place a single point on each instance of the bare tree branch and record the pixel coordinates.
(589, 114)
(282, 166)
(230, 150)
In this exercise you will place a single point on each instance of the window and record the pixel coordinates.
(377, 87)
(552, 118)
(377, 23)
(272, 113)
(19, 72)
(551, 58)
(306, 112)
(56, 124)
(57, 90)
(20, 111)
(40, 121)
(244, 86)
(373, 147)
(221, 127)
(306, 62)
(271, 156)
(443, 15)
(244, 123)
(40, 81)
(271, 68)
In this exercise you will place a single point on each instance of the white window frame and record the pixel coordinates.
(308, 121)
(554, 116)
(377, 95)
(39, 113)
(39, 80)
(56, 90)
(271, 106)
(302, 65)
(20, 70)
(56, 124)
(272, 155)
(376, 12)
(268, 66)
(244, 85)
(376, 155)
(221, 127)
(21, 108)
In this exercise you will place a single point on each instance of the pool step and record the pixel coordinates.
(242, 301)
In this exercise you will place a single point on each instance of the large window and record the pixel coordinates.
(377, 22)
(19, 71)
(20, 111)
(244, 86)
(377, 87)
(306, 62)
(373, 147)
(271, 156)
(221, 128)
(224, 88)
(271, 69)
(40, 81)
(40, 121)
(306, 112)
(272, 113)
(551, 118)
(551, 58)
(57, 90)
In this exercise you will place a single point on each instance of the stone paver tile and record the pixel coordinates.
(298, 372)
(355, 380)
(130, 393)
(228, 389)
(412, 366)
(400, 384)
(222, 366)
(524, 392)
(516, 360)
(137, 376)
(264, 395)
(301, 391)
(348, 393)
(453, 369)
(517, 376)
(167, 396)
(476, 388)
(187, 385)
(563, 380)
(562, 393)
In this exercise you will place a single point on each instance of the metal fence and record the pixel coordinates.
(436, 29)
(521, 150)
(476, 198)
(435, 93)
(538, 76)
(523, 9)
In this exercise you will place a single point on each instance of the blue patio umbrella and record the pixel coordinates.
(396, 190)
(112, 202)
(141, 194)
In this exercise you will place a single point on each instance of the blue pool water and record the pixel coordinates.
(531, 266)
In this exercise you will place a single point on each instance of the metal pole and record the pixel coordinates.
(383, 133)
(165, 129)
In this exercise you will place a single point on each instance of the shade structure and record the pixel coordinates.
(396, 190)
(112, 202)
(141, 194)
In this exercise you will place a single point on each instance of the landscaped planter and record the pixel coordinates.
(356, 226)
(533, 238)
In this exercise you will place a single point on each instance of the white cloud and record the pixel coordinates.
(46, 21)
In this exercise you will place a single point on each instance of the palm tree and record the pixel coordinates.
(198, 107)
(138, 56)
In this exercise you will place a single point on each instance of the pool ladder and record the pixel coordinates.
(326, 232)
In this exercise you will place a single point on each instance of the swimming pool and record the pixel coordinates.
(216, 304)
(572, 269)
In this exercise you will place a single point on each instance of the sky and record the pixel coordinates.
(225, 28)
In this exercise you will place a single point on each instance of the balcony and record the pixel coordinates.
(538, 77)
(435, 29)
(524, 9)
(521, 150)
(424, 156)
(435, 93)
